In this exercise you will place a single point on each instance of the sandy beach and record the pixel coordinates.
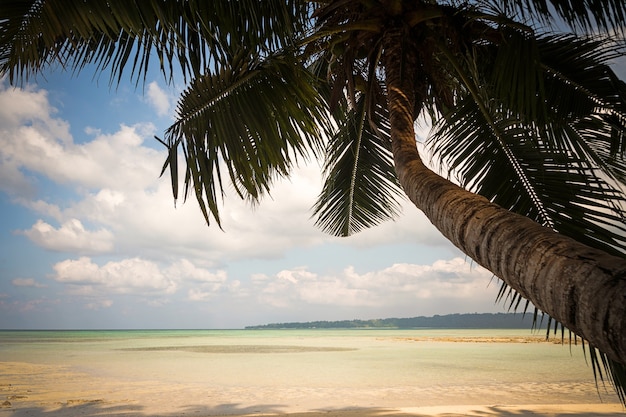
(297, 374)
(28, 389)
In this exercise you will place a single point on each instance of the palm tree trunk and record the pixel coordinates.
(581, 287)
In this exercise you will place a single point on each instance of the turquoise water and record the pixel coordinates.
(300, 368)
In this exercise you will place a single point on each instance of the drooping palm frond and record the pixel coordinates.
(518, 81)
(361, 188)
(605, 368)
(579, 14)
(118, 34)
(558, 188)
(531, 154)
(256, 118)
(582, 83)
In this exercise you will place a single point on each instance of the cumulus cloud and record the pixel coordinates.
(118, 193)
(114, 177)
(128, 276)
(70, 237)
(158, 99)
(43, 208)
(398, 284)
(196, 294)
(26, 118)
(29, 106)
(139, 277)
(185, 270)
(14, 182)
(205, 283)
(40, 144)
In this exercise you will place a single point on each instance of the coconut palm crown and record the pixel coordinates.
(528, 117)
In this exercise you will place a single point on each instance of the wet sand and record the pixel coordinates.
(42, 390)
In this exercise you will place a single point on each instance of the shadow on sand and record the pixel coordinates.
(99, 408)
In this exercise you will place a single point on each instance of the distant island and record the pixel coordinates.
(447, 321)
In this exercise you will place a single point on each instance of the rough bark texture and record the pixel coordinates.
(581, 287)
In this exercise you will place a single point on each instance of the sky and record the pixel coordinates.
(91, 237)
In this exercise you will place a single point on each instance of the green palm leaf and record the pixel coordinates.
(549, 153)
(582, 83)
(118, 34)
(560, 189)
(255, 119)
(582, 14)
(361, 188)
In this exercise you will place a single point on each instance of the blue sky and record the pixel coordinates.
(91, 237)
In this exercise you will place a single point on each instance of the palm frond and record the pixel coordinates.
(582, 62)
(586, 15)
(551, 183)
(256, 118)
(582, 83)
(122, 34)
(361, 188)
(605, 368)
(555, 154)
(554, 77)
(606, 138)
(517, 79)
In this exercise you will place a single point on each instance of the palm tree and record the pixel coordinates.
(529, 119)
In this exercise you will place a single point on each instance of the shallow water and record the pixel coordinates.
(305, 368)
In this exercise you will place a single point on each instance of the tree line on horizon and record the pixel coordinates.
(446, 321)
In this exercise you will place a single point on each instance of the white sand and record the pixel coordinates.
(28, 389)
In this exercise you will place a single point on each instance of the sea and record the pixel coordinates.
(222, 372)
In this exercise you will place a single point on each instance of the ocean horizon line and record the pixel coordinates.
(467, 321)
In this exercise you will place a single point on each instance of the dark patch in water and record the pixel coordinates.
(241, 349)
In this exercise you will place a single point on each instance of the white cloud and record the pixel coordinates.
(41, 144)
(139, 277)
(14, 182)
(447, 285)
(70, 237)
(158, 99)
(25, 118)
(400, 284)
(185, 270)
(205, 284)
(115, 178)
(27, 282)
(29, 107)
(195, 294)
(129, 276)
(43, 208)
